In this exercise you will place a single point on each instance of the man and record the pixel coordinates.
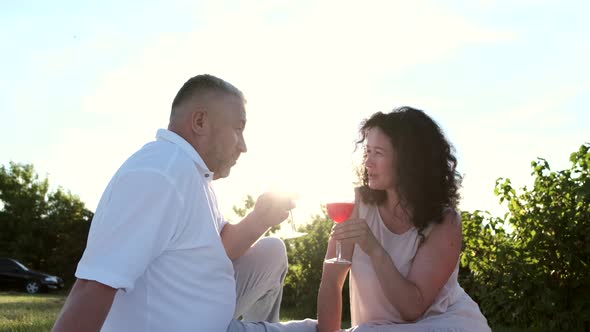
(159, 256)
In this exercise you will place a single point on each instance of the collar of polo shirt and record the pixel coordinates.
(172, 137)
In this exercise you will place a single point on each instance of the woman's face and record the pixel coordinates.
(380, 160)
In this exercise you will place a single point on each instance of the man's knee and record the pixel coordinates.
(268, 256)
(273, 251)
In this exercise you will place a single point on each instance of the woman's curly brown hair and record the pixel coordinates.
(427, 180)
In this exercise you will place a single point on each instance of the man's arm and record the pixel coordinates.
(237, 238)
(86, 307)
(270, 209)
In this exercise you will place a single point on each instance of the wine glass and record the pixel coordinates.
(339, 212)
(293, 233)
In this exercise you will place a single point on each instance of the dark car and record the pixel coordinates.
(15, 275)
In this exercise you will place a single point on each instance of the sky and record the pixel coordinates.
(85, 84)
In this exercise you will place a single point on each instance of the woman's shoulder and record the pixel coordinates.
(450, 223)
(451, 216)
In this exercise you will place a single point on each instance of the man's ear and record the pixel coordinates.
(200, 122)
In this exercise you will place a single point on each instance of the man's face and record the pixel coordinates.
(227, 135)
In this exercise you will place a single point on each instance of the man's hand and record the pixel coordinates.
(272, 208)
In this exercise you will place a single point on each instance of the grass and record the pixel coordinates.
(20, 312)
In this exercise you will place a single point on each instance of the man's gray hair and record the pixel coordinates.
(203, 84)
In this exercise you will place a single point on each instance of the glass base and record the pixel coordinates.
(337, 261)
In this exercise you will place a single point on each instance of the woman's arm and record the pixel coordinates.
(330, 293)
(431, 268)
(434, 263)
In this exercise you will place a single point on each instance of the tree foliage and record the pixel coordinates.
(42, 229)
(306, 258)
(536, 274)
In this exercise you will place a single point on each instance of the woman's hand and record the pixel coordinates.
(356, 231)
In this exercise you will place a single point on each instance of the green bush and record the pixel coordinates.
(306, 258)
(536, 274)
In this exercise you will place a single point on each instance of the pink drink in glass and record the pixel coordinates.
(339, 212)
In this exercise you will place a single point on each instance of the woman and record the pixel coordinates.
(404, 236)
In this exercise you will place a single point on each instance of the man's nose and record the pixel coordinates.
(242, 145)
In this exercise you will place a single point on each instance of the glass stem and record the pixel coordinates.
(293, 228)
(338, 251)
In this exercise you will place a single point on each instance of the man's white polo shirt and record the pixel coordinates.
(156, 237)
